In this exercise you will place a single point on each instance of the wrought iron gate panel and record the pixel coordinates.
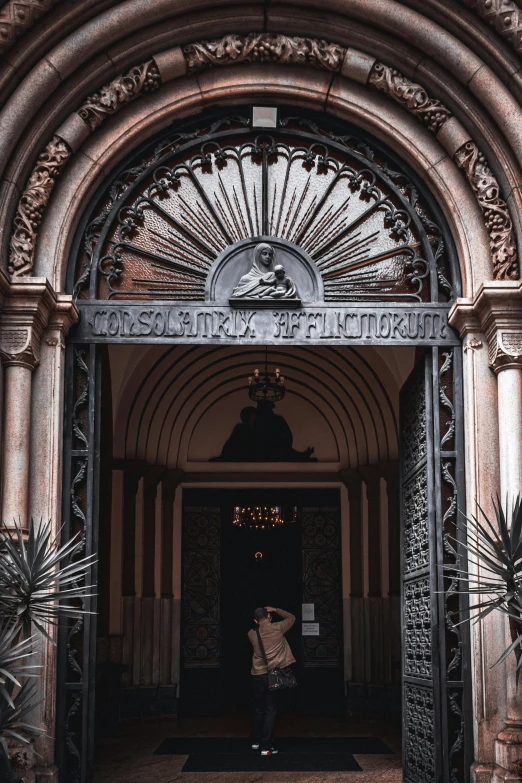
(437, 732)
(322, 585)
(201, 636)
(77, 639)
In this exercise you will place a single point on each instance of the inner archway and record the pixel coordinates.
(351, 299)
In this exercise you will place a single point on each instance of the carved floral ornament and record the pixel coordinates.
(265, 47)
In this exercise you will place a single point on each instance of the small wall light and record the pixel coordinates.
(264, 117)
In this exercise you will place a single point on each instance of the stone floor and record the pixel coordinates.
(128, 757)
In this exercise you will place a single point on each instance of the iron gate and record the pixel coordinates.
(437, 739)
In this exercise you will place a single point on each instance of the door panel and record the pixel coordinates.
(437, 738)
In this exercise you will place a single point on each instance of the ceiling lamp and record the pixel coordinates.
(262, 388)
(258, 517)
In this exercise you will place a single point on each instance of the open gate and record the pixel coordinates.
(437, 739)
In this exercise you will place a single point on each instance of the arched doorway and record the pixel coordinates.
(356, 254)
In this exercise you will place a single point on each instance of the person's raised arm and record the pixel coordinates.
(287, 621)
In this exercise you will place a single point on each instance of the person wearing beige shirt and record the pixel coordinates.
(278, 655)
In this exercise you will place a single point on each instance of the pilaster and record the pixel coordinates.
(495, 316)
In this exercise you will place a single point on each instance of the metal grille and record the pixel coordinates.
(436, 700)
(77, 640)
(322, 584)
(201, 644)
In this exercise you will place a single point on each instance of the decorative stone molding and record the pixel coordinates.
(122, 90)
(264, 47)
(467, 157)
(32, 205)
(430, 111)
(27, 311)
(17, 16)
(494, 208)
(504, 15)
(472, 344)
(496, 311)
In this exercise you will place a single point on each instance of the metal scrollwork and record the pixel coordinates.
(201, 638)
(322, 584)
(419, 727)
(364, 234)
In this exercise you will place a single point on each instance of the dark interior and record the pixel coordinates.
(274, 579)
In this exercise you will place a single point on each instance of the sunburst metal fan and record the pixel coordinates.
(367, 237)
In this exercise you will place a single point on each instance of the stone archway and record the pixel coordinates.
(339, 208)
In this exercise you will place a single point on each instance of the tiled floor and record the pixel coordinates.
(128, 758)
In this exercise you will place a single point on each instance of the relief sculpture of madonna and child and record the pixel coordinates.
(266, 281)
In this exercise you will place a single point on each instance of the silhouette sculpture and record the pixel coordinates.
(262, 436)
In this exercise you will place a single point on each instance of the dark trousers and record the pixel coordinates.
(264, 713)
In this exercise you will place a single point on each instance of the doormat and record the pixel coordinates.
(281, 762)
(185, 746)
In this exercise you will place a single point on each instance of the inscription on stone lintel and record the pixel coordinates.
(117, 322)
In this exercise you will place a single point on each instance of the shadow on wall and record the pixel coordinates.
(262, 436)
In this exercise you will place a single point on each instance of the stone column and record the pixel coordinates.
(25, 315)
(494, 318)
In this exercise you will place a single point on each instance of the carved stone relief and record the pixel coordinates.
(264, 47)
(18, 16)
(504, 15)
(270, 47)
(122, 90)
(32, 205)
(505, 349)
(430, 111)
(19, 345)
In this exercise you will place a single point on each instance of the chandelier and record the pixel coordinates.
(258, 517)
(262, 388)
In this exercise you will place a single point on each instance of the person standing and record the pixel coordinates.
(278, 655)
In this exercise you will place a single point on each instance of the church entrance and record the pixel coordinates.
(228, 259)
(293, 563)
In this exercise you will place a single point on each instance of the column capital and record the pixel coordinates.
(29, 306)
(496, 311)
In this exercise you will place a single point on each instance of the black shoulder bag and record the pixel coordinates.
(278, 679)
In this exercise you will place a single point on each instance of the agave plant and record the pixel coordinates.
(496, 548)
(40, 581)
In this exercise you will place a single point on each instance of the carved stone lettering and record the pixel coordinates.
(191, 323)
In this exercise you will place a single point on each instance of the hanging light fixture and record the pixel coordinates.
(262, 388)
(258, 517)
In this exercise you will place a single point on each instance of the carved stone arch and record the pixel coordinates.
(285, 50)
(347, 101)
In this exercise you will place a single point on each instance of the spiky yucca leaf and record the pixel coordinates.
(35, 585)
(494, 550)
(13, 713)
(13, 659)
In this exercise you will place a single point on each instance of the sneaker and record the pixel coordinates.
(269, 752)
(255, 746)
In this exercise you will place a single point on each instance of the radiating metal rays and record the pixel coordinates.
(365, 231)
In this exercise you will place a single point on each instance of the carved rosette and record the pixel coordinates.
(19, 345)
(414, 97)
(32, 205)
(505, 349)
(494, 208)
(264, 47)
(122, 90)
